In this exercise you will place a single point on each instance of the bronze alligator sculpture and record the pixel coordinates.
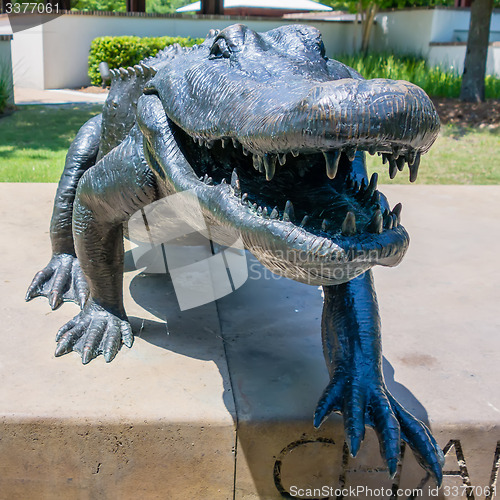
(271, 135)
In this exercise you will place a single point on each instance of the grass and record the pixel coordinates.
(459, 156)
(435, 81)
(35, 139)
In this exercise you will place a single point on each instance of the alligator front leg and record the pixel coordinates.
(62, 278)
(118, 186)
(353, 351)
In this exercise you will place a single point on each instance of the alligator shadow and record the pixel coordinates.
(270, 329)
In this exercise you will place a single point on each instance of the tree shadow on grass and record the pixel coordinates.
(49, 127)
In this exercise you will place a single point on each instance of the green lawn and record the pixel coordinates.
(459, 156)
(35, 139)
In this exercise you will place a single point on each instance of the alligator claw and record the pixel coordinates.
(62, 279)
(92, 332)
(373, 403)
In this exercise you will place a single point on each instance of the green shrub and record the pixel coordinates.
(5, 86)
(434, 80)
(124, 51)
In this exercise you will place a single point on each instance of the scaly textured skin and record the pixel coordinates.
(271, 136)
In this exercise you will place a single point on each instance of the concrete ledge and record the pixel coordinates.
(159, 422)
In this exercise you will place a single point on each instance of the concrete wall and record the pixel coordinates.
(412, 30)
(55, 54)
(453, 56)
(404, 31)
(6, 62)
(28, 58)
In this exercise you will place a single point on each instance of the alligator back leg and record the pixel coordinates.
(353, 352)
(62, 278)
(114, 189)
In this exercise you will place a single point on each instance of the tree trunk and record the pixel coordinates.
(214, 7)
(477, 51)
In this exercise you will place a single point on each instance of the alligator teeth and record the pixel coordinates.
(388, 222)
(395, 152)
(131, 71)
(400, 162)
(264, 212)
(270, 165)
(385, 158)
(332, 163)
(282, 159)
(235, 183)
(414, 168)
(372, 150)
(397, 212)
(372, 187)
(376, 223)
(305, 221)
(138, 70)
(350, 153)
(245, 151)
(325, 225)
(289, 213)
(123, 73)
(207, 180)
(274, 214)
(393, 168)
(259, 211)
(258, 163)
(295, 154)
(394, 220)
(224, 143)
(349, 224)
(254, 206)
(411, 157)
(244, 199)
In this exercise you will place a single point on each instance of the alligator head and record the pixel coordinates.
(272, 137)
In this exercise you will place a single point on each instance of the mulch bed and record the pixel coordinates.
(468, 114)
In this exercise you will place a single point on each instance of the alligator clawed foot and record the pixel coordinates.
(92, 332)
(371, 403)
(62, 279)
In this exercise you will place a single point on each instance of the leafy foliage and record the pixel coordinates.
(106, 5)
(5, 86)
(165, 6)
(123, 51)
(434, 80)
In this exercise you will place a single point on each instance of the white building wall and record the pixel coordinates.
(28, 57)
(453, 56)
(66, 42)
(55, 55)
(405, 31)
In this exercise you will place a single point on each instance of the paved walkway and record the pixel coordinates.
(56, 96)
(160, 420)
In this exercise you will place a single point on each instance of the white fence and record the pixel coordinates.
(55, 54)
(6, 63)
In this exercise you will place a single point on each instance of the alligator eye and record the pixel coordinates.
(220, 49)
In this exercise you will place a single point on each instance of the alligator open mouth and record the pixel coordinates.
(282, 157)
(318, 191)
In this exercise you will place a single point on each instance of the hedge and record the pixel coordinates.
(124, 51)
